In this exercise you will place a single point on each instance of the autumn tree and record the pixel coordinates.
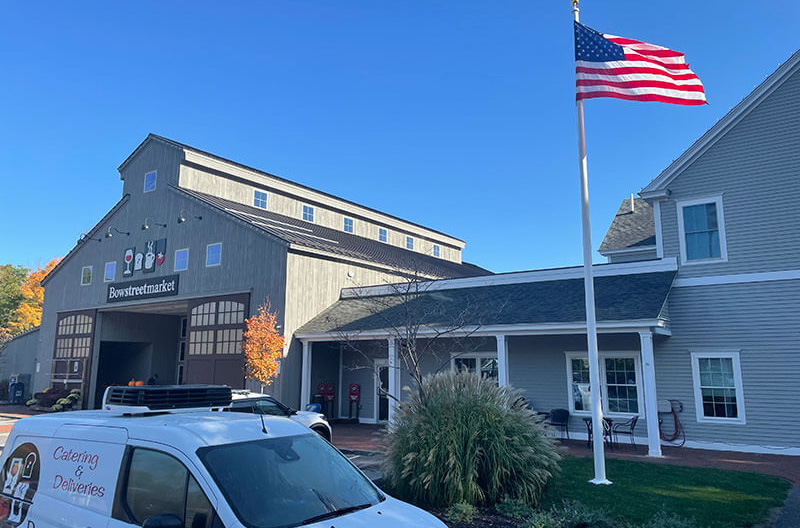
(29, 312)
(11, 280)
(262, 346)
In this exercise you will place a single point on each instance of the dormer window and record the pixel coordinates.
(383, 235)
(702, 231)
(259, 199)
(308, 213)
(409, 242)
(436, 250)
(348, 225)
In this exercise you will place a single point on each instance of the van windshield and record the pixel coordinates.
(287, 481)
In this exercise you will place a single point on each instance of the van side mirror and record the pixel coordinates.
(163, 521)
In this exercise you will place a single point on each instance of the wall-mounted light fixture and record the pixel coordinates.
(85, 237)
(147, 223)
(184, 217)
(109, 234)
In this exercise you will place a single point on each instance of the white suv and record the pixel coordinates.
(142, 462)
(257, 403)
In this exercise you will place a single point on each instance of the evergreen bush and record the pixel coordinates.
(464, 439)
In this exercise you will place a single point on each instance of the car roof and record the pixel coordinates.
(189, 430)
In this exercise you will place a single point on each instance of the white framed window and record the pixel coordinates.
(717, 380)
(110, 272)
(701, 227)
(150, 182)
(182, 259)
(622, 391)
(348, 225)
(214, 255)
(437, 251)
(259, 199)
(308, 213)
(409, 242)
(483, 362)
(383, 235)
(86, 275)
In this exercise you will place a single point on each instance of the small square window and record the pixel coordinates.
(182, 259)
(110, 272)
(409, 242)
(383, 235)
(86, 275)
(436, 250)
(214, 254)
(308, 213)
(348, 225)
(150, 182)
(260, 199)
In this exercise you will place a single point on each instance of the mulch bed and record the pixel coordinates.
(485, 518)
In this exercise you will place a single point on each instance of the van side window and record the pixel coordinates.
(155, 483)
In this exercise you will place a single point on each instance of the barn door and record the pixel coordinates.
(215, 330)
(73, 352)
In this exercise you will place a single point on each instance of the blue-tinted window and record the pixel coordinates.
(308, 213)
(111, 272)
(383, 235)
(182, 259)
(260, 199)
(436, 250)
(348, 225)
(701, 229)
(409, 243)
(214, 254)
(150, 181)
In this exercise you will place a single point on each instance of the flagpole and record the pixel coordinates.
(588, 283)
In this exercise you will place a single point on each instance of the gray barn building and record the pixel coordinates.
(162, 285)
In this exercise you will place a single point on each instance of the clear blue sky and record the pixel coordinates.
(458, 115)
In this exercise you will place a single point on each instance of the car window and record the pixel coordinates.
(156, 483)
(265, 406)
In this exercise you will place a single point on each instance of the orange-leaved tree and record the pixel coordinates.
(29, 312)
(262, 346)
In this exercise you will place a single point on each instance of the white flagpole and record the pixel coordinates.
(588, 283)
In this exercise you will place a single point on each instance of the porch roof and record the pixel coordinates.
(618, 298)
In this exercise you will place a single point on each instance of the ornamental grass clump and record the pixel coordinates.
(463, 439)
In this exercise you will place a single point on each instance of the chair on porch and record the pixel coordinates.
(625, 428)
(608, 425)
(559, 418)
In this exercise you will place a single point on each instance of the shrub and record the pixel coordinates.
(514, 508)
(460, 511)
(468, 440)
(669, 521)
(571, 515)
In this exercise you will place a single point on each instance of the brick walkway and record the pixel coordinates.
(365, 437)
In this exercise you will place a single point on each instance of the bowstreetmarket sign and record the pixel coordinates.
(143, 289)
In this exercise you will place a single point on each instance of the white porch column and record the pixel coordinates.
(502, 360)
(305, 376)
(650, 398)
(394, 379)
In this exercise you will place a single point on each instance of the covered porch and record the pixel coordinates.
(526, 330)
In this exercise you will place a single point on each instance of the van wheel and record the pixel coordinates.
(322, 432)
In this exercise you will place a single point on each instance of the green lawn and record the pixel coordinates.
(715, 498)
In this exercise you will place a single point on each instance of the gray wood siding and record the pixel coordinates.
(632, 257)
(155, 156)
(538, 367)
(19, 357)
(755, 166)
(760, 321)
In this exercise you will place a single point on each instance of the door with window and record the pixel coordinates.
(155, 483)
(215, 331)
(73, 352)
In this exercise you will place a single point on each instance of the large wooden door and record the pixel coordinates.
(214, 344)
(73, 352)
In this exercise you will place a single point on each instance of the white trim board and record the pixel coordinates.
(741, 278)
(599, 270)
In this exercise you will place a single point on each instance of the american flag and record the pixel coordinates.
(609, 66)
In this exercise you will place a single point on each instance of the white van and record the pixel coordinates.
(143, 462)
